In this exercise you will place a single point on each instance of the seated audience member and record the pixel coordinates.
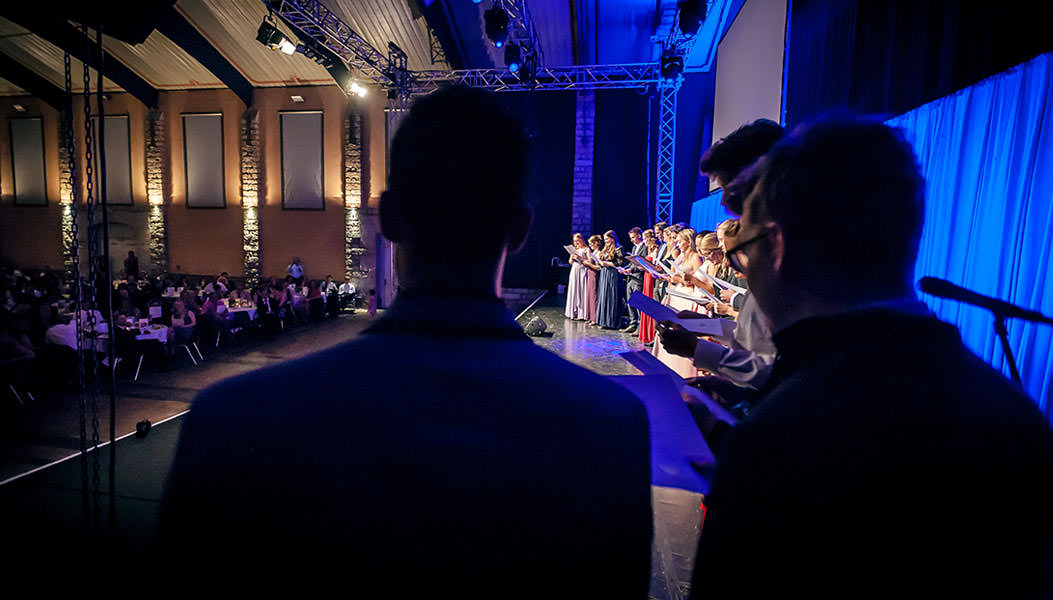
(884, 459)
(331, 295)
(489, 467)
(184, 324)
(14, 343)
(240, 293)
(213, 318)
(315, 301)
(218, 285)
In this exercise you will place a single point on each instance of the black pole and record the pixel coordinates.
(1003, 334)
(110, 354)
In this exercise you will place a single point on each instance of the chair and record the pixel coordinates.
(192, 343)
(11, 373)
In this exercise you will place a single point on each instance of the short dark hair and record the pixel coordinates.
(457, 165)
(635, 230)
(850, 198)
(740, 149)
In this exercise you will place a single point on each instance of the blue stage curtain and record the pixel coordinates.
(987, 156)
(707, 212)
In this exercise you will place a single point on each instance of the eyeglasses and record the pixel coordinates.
(739, 261)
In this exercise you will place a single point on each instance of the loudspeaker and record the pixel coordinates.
(535, 327)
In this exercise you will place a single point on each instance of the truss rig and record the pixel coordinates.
(313, 19)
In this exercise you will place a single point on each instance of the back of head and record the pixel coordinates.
(849, 197)
(457, 167)
(740, 149)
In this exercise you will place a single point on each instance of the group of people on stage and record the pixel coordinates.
(603, 277)
(595, 293)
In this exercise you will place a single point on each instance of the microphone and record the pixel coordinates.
(945, 289)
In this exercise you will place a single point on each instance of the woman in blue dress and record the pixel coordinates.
(611, 288)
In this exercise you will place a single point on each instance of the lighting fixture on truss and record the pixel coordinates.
(273, 38)
(495, 20)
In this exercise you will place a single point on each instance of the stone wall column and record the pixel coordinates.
(156, 177)
(250, 193)
(581, 201)
(353, 246)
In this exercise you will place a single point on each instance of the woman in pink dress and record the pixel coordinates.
(592, 278)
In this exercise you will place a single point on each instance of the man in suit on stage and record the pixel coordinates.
(634, 280)
(442, 451)
(884, 459)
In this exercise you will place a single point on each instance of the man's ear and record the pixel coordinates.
(522, 219)
(390, 221)
(778, 246)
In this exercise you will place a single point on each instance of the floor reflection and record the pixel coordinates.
(594, 348)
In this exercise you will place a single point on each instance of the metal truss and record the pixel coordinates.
(523, 31)
(663, 205)
(435, 51)
(390, 72)
(315, 20)
(588, 77)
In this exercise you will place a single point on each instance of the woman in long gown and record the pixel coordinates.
(576, 285)
(592, 278)
(646, 322)
(687, 263)
(611, 290)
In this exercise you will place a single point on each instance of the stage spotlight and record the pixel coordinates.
(357, 89)
(496, 21)
(270, 36)
(671, 65)
(691, 15)
(512, 57)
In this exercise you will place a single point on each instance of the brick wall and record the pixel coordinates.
(581, 201)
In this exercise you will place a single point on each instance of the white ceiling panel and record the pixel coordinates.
(9, 89)
(230, 25)
(162, 63)
(383, 21)
(44, 58)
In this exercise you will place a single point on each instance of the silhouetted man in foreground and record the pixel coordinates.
(442, 451)
(884, 458)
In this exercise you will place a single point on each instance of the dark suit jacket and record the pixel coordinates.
(441, 451)
(636, 271)
(884, 460)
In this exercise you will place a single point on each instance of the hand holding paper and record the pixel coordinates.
(661, 313)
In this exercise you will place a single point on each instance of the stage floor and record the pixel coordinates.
(40, 499)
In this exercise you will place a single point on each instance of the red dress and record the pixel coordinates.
(646, 322)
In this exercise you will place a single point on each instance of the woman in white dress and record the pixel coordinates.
(687, 263)
(576, 286)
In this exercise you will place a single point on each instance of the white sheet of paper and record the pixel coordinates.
(667, 268)
(646, 265)
(570, 250)
(725, 285)
(660, 312)
(702, 297)
(675, 439)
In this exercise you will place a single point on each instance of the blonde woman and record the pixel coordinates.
(577, 282)
(685, 264)
(712, 256)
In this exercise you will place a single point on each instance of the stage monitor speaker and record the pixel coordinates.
(535, 327)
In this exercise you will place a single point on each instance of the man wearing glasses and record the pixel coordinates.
(884, 458)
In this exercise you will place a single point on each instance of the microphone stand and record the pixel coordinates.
(1003, 334)
(999, 309)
